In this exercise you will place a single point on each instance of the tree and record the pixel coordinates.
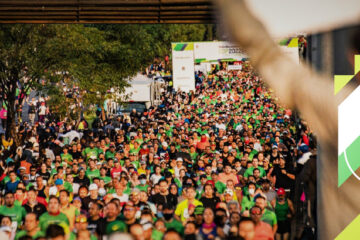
(20, 68)
(92, 58)
(43, 56)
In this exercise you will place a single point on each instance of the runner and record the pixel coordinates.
(200, 163)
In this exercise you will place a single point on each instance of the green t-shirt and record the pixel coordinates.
(46, 219)
(193, 155)
(250, 172)
(247, 203)
(135, 164)
(156, 235)
(220, 187)
(16, 213)
(109, 154)
(143, 188)
(252, 154)
(176, 225)
(92, 173)
(68, 186)
(24, 233)
(106, 179)
(66, 157)
(269, 217)
(115, 226)
(91, 152)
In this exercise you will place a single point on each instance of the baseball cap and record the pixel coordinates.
(93, 186)
(81, 219)
(199, 210)
(210, 182)
(77, 199)
(58, 182)
(281, 191)
(179, 159)
(228, 191)
(5, 229)
(135, 191)
(142, 176)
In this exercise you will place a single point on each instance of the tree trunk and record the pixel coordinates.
(11, 118)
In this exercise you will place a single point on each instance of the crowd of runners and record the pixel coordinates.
(219, 162)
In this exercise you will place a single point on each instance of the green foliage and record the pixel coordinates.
(94, 58)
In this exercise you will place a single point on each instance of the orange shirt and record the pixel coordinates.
(263, 231)
(26, 165)
(223, 177)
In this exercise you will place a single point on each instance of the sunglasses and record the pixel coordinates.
(81, 220)
(256, 211)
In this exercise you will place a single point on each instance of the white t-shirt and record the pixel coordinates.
(155, 178)
(123, 198)
(42, 110)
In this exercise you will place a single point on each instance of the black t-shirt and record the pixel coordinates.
(272, 158)
(210, 202)
(281, 179)
(97, 226)
(161, 199)
(41, 192)
(85, 202)
(75, 155)
(173, 155)
(82, 182)
(38, 209)
(45, 175)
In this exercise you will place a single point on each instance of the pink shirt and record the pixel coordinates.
(263, 231)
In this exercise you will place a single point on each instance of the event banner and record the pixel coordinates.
(186, 54)
(183, 66)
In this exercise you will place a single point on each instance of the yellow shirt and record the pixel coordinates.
(182, 209)
(71, 212)
(141, 171)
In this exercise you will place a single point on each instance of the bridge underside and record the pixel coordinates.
(106, 11)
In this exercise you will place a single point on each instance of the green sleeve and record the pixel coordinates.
(23, 213)
(66, 220)
(72, 236)
(274, 218)
(20, 234)
(77, 212)
(248, 172)
(41, 223)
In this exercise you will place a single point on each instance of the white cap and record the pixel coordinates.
(5, 229)
(228, 191)
(93, 186)
(165, 144)
(179, 159)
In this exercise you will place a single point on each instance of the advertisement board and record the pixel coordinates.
(183, 66)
